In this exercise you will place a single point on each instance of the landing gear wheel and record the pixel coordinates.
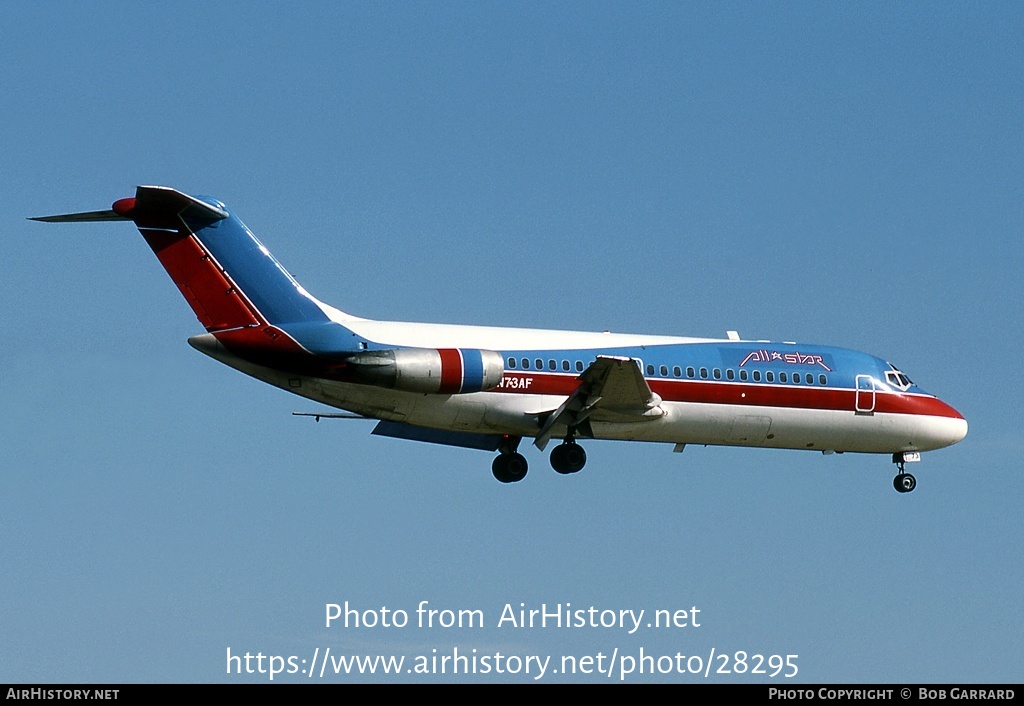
(904, 482)
(509, 468)
(568, 457)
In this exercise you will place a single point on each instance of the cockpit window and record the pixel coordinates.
(898, 379)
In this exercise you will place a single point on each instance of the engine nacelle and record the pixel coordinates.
(447, 371)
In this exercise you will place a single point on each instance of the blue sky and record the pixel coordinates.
(847, 174)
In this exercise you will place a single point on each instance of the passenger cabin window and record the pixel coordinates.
(717, 374)
(650, 370)
(565, 365)
(743, 375)
(769, 376)
(704, 373)
(782, 377)
(822, 380)
(552, 365)
(540, 364)
(512, 363)
(664, 371)
(690, 372)
(809, 378)
(579, 366)
(730, 374)
(526, 363)
(677, 371)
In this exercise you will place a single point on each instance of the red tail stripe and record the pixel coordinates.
(212, 297)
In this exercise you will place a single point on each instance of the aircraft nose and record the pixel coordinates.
(949, 428)
(939, 424)
(958, 430)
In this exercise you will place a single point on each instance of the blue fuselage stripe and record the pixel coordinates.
(839, 365)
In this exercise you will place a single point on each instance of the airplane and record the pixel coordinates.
(488, 388)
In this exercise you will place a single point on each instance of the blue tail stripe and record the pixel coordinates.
(324, 337)
(261, 278)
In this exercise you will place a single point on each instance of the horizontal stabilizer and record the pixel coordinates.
(464, 439)
(150, 202)
(165, 200)
(82, 217)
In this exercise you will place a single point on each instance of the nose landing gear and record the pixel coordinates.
(903, 482)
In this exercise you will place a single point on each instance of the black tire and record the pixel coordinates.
(576, 457)
(509, 468)
(904, 482)
(517, 467)
(568, 458)
(558, 459)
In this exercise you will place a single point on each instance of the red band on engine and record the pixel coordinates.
(451, 371)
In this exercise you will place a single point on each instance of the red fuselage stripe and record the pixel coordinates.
(735, 393)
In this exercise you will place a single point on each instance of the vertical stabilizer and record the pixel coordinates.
(225, 274)
(237, 289)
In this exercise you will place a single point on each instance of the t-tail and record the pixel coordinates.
(239, 292)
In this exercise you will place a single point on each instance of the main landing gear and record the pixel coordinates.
(903, 482)
(510, 466)
(568, 457)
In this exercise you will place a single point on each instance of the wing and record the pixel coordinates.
(611, 389)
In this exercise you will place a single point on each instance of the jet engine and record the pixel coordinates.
(445, 371)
